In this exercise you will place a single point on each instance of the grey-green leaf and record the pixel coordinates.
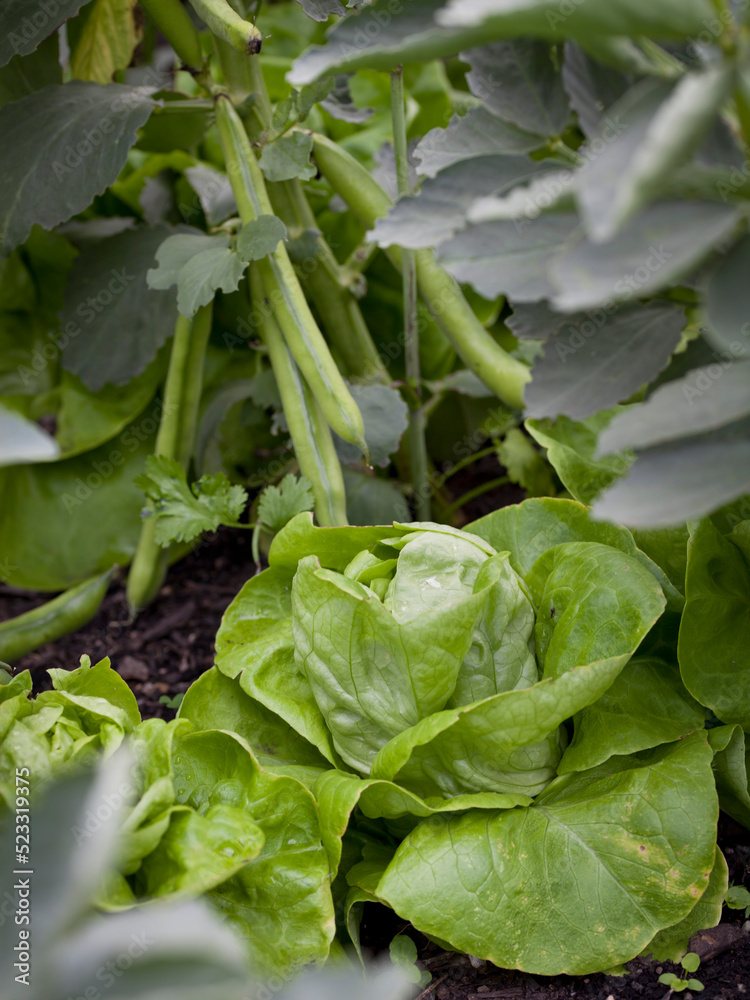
(728, 301)
(667, 19)
(649, 133)
(517, 81)
(288, 157)
(62, 146)
(509, 258)
(477, 133)
(659, 247)
(115, 322)
(602, 361)
(385, 416)
(24, 27)
(23, 441)
(439, 210)
(260, 237)
(705, 400)
(674, 483)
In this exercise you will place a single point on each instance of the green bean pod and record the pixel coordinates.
(310, 433)
(62, 615)
(174, 22)
(282, 288)
(174, 440)
(503, 374)
(227, 24)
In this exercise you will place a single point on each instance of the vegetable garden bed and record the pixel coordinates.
(375, 400)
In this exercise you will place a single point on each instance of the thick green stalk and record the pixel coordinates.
(282, 287)
(311, 435)
(322, 278)
(173, 21)
(174, 439)
(228, 25)
(500, 372)
(417, 445)
(329, 289)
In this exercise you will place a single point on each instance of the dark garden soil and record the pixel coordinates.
(172, 643)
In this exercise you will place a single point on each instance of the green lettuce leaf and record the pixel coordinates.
(593, 602)
(577, 882)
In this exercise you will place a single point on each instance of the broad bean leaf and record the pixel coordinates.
(517, 81)
(572, 449)
(508, 743)
(593, 603)
(439, 210)
(668, 19)
(260, 237)
(656, 249)
(25, 74)
(477, 133)
(510, 258)
(22, 441)
(65, 521)
(214, 192)
(372, 500)
(114, 322)
(674, 483)
(715, 627)
(371, 674)
(585, 369)
(727, 302)
(321, 10)
(63, 145)
(199, 265)
(732, 770)
(646, 705)
(385, 416)
(22, 29)
(704, 400)
(380, 38)
(591, 87)
(483, 882)
(288, 157)
(671, 944)
(87, 419)
(658, 127)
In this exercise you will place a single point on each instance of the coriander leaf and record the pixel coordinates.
(183, 514)
(279, 504)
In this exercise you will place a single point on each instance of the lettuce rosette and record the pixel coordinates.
(495, 742)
